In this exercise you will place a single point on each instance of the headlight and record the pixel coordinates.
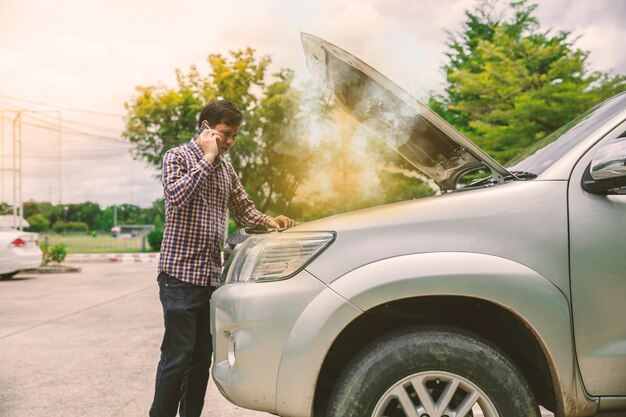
(275, 256)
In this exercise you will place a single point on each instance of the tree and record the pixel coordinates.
(86, 212)
(104, 221)
(62, 227)
(161, 117)
(38, 223)
(55, 254)
(156, 213)
(155, 239)
(510, 84)
(5, 208)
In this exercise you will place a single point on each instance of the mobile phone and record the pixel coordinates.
(204, 126)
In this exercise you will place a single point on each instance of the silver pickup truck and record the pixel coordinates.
(492, 298)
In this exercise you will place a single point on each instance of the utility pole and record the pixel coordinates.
(60, 163)
(17, 161)
(18, 206)
(2, 156)
(16, 166)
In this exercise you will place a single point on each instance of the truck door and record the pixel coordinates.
(598, 279)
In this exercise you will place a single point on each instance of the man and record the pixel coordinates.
(199, 186)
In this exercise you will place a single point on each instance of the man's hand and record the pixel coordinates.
(209, 141)
(281, 222)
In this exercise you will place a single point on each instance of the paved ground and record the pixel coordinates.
(85, 344)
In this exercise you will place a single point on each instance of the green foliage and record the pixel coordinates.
(291, 141)
(87, 212)
(510, 84)
(77, 227)
(62, 227)
(5, 209)
(59, 226)
(159, 222)
(156, 213)
(102, 243)
(38, 223)
(56, 253)
(161, 117)
(93, 215)
(155, 238)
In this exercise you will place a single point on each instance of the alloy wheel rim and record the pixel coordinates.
(434, 394)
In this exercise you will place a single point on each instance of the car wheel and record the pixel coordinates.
(434, 372)
(8, 276)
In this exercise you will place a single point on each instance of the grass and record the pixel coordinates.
(79, 243)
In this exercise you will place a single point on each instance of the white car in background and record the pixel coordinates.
(18, 251)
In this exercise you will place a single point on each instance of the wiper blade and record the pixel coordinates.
(523, 175)
(490, 180)
(487, 181)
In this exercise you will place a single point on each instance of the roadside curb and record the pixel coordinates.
(113, 257)
(52, 269)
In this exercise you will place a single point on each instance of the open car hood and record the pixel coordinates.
(416, 132)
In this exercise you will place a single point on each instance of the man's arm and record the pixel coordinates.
(180, 181)
(242, 208)
(246, 214)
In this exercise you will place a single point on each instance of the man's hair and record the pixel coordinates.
(220, 111)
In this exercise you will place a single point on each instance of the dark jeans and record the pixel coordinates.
(183, 371)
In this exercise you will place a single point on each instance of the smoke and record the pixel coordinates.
(344, 167)
(357, 107)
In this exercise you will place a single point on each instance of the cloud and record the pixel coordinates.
(51, 77)
(108, 177)
(73, 45)
(403, 40)
(122, 181)
(599, 25)
(602, 54)
(93, 57)
(142, 54)
(10, 59)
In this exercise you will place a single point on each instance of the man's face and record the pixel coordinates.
(228, 134)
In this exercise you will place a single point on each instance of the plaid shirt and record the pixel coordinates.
(197, 196)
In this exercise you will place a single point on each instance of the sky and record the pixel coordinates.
(70, 65)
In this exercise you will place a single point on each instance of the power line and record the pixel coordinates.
(71, 130)
(53, 126)
(90, 125)
(43, 115)
(79, 153)
(102, 136)
(62, 107)
(95, 152)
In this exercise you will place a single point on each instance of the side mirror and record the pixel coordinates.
(607, 172)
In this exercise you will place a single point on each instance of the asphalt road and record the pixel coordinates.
(85, 344)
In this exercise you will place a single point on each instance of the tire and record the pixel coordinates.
(432, 372)
(8, 276)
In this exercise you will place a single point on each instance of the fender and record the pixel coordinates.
(309, 341)
(513, 286)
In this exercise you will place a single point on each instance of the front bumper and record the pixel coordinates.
(250, 326)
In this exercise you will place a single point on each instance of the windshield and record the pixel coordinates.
(542, 154)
